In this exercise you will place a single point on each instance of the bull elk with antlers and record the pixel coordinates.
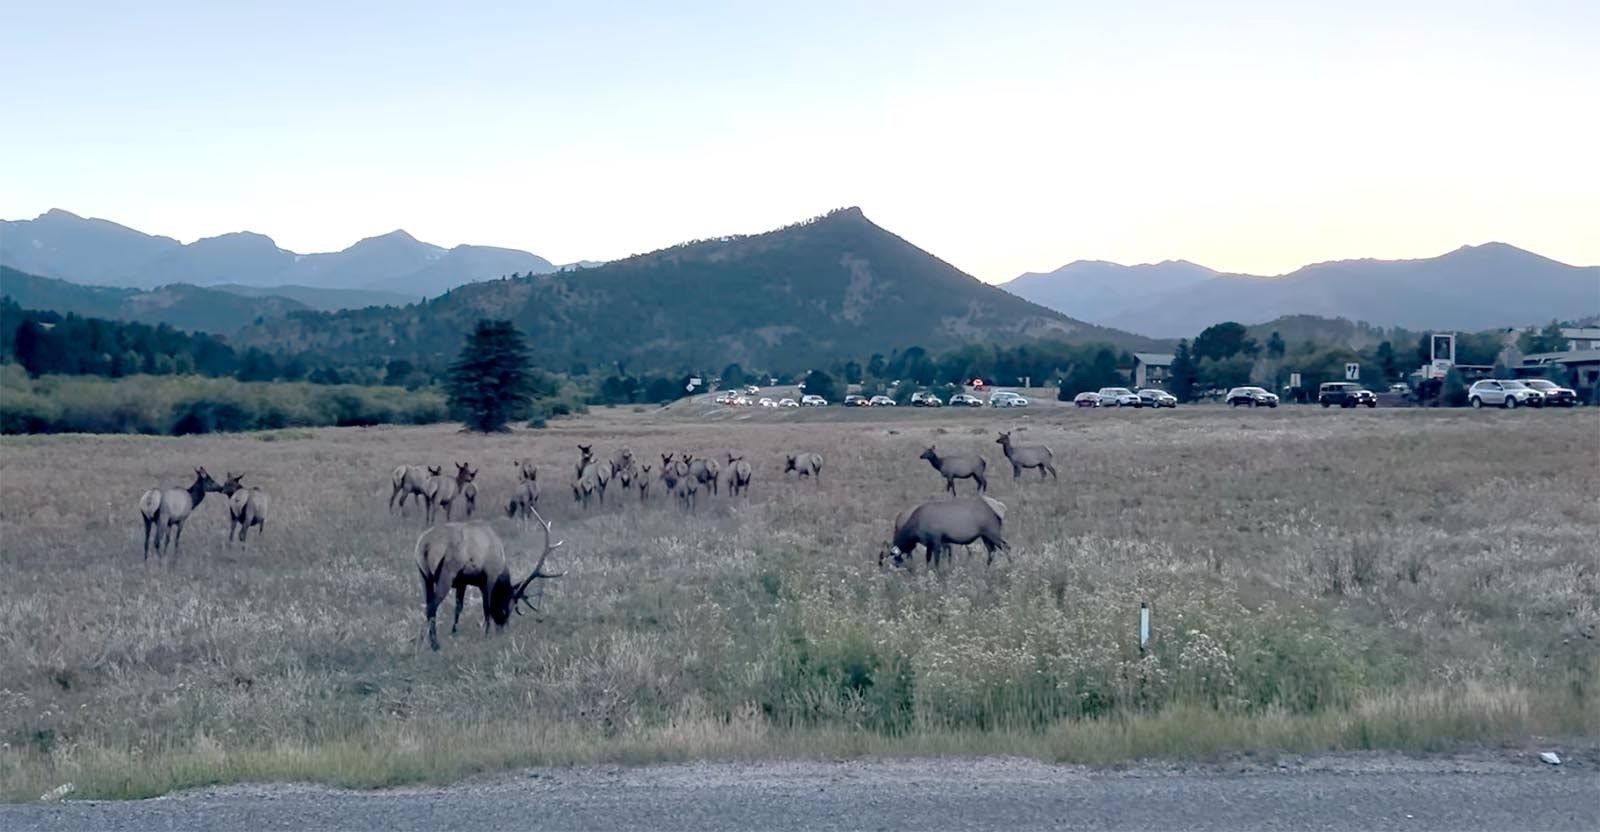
(458, 555)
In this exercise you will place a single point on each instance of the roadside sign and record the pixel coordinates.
(1294, 379)
(1352, 372)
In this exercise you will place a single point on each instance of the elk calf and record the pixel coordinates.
(587, 485)
(166, 510)
(644, 482)
(458, 555)
(706, 472)
(247, 506)
(409, 480)
(1027, 456)
(959, 466)
(738, 476)
(442, 492)
(804, 464)
(523, 501)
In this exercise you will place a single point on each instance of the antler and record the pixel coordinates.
(538, 568)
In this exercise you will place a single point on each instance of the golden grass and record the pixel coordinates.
(1320, 580)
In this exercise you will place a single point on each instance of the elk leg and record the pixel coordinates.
(147, 525)
(1016, 471)
(177, 539)
(983, 484)
(1052, 470)
(461, 595)
(434, 599)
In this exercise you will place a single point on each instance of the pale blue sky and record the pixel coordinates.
(1002, 137)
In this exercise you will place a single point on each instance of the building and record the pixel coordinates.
(1581, 337)
(1151, 369)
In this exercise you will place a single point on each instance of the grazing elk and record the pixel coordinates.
(524, 500)
(458, 555)
(738, 476)
(937, 525)
(442, 492)
(706, 472)
(411, 480)
(1027, 456)
(166, 510)
(959, 466)
(247, 506)
(804, 464)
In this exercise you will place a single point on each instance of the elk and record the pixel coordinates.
(526, 470)
(937, 525)
(443, 491)
(587, 485)
(676, 479)
(804, 464)
(1027, 456)
(738, 476)
(625, 478)
(960, 466)
(523, 500)
(459, 555)
(602, 470)
(622, 460)
(166, 510)
(247, 506)
(469, 494)
(706, 472)
(409, 480)
(644, 482)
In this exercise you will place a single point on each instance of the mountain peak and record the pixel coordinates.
(59, 214)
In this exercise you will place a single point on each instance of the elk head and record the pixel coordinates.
(516, 597)
(435, 470)
(231, 483)
(464, 472)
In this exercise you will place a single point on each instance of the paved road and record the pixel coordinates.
(1346, 793)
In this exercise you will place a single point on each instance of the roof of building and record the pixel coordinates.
(1567, 357)
(1153, 359)
(1581, 333)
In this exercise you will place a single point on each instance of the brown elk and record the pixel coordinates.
(1027, 456)
(442, 492)
(603, 470)
(706, 472)
(738, 476)
(804, 464)
(523, 500)
(458, 555)
(587, 485)
(526, 470)
(958, 466)
(675, 477)
(937, 525)
(166, 510)
(411, 480)
(644, 482)
(247, 506)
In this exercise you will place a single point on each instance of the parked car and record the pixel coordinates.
(1119, 397)
(925, 399)
(809, 400)
(1006, 398)
(1554, 394)
(1086, 399)
(767, 402)
(742, 401)
(1505, 393)
(1251, 397)
(881, 401)
(788, 403)
(1345, 394)
(1151, 397)
(965, 400)
(853, 400)
(752, 389)
(724, 398)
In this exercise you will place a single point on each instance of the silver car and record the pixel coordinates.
(1506, 393)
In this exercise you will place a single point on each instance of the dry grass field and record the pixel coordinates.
(1319, 580)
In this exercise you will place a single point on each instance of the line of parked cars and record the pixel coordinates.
(1514, 393)
(1123, 397)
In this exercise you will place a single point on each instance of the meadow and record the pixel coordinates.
(1319, 580)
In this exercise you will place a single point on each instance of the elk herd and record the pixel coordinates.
(462, 552)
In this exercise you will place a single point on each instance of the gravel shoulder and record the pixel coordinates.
(1489, 791)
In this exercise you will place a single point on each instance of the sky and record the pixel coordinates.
(1003, 137)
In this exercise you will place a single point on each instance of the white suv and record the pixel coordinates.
(813, 401)
(1006, 398)
(1119, 397)
(1503, 393)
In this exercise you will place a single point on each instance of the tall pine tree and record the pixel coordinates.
(492, 382)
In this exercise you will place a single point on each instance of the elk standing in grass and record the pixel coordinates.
(602, 469)
(524, 501)
(675, 477)
(644, 482)
(937, 525)
(587, 485)
(804, 464)
(411, 480)
(442, 492)
(706, 472)
(166, 510)
(247, 506)
(526, 470)
(738, 476)
(458, 555)
(958, 466)
(1027, 456)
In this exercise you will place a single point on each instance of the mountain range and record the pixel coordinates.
(836, 286)
(65, 246)
(1471, 288)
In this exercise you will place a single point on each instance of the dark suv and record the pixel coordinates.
(1345, 394)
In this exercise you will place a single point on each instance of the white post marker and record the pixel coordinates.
(1144, 625)
(1352, 372)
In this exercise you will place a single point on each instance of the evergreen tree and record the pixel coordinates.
(1184, 373)
(490, 384)
(1275, 346)
(821, 384)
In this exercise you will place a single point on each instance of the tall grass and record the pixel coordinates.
(1318, 581)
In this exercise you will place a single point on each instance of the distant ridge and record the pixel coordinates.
(65, 246)
(1471, 288)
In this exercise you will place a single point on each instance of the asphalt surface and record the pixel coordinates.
(1345, 793)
